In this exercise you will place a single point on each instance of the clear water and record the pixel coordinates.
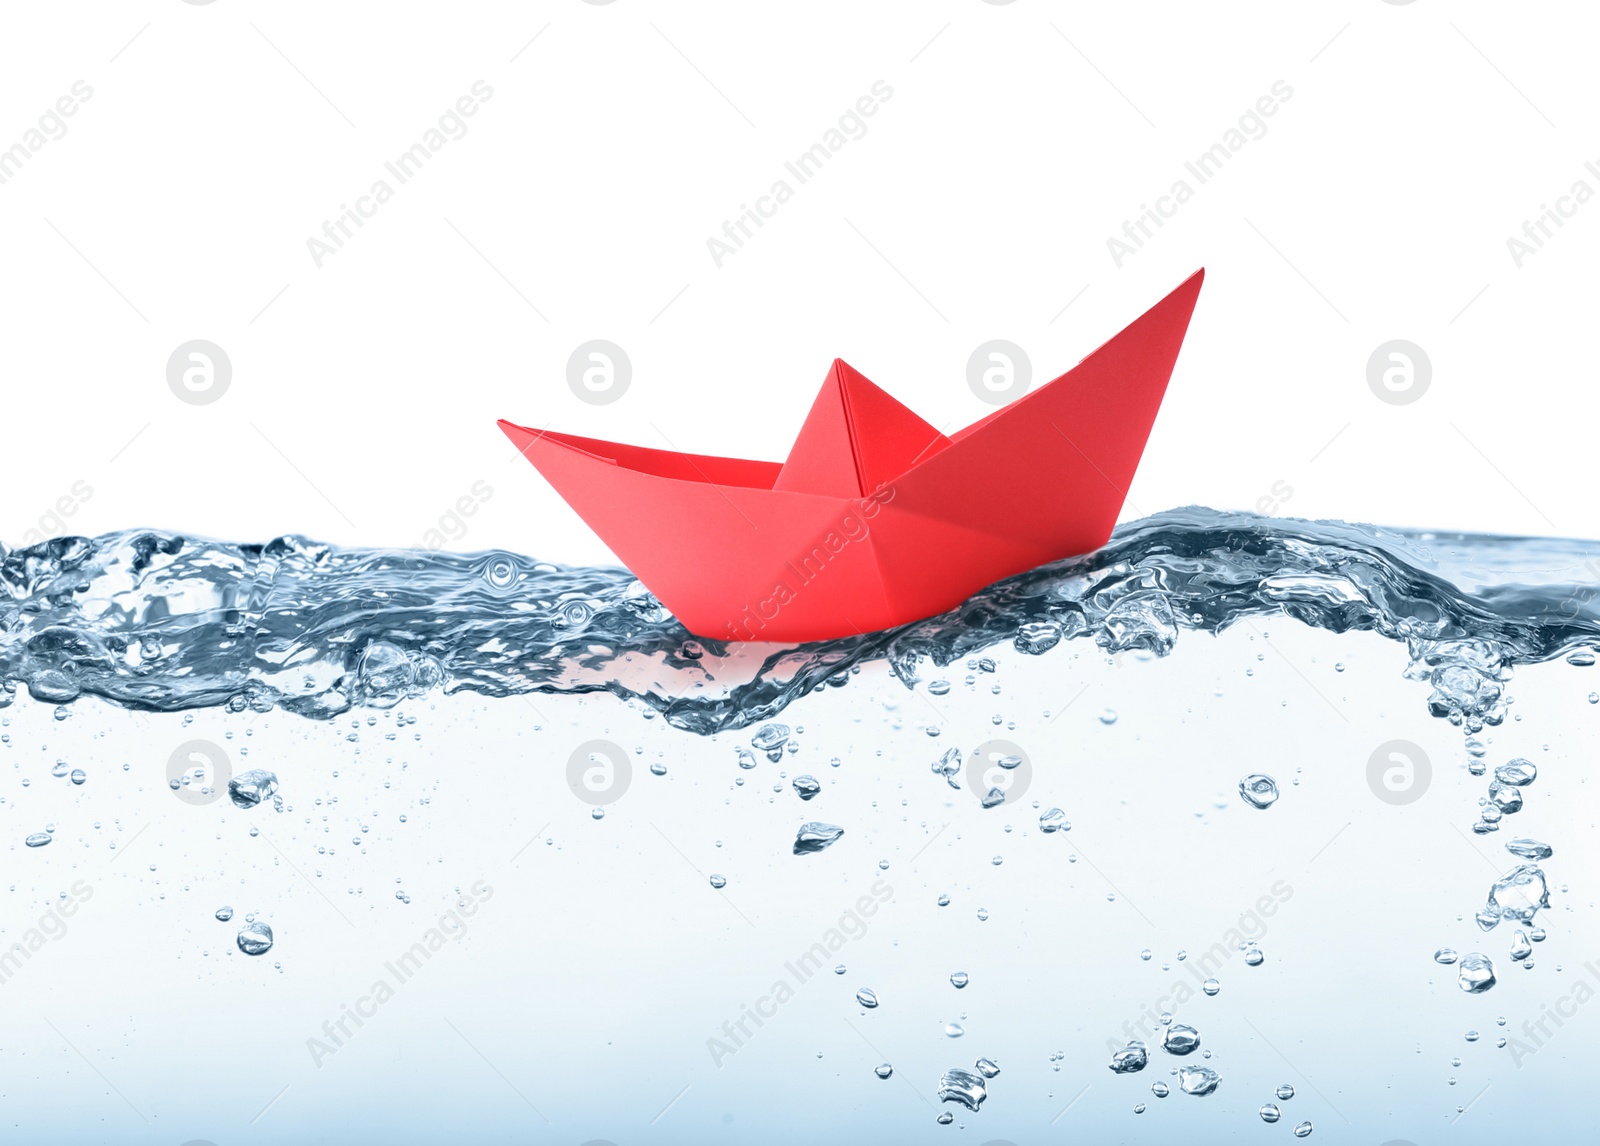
(309, 843)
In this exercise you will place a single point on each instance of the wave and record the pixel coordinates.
(161, 622)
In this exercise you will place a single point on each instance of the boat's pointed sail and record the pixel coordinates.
(856, 438)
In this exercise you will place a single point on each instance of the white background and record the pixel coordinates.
(1018, 139)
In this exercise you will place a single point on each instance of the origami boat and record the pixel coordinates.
(875, 519)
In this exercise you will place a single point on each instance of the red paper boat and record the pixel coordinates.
(876, 519)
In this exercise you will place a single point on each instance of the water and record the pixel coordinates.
(388, 764)
(158, 622)
(1259, 791)
(1180, 1039)
(1198, 1080)
(963, 1086)
(1130, 1059)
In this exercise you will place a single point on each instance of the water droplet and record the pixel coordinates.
(1036, 637)
(1303, 1130)
(1108, 716)
(1131, 1058)
(500, 573)
(1253, 956)
(1518, 894)
(1520, 947)
(38, 839)
(658, 769)
(987, 1067)
(949, 765)
(1518, 772)
(255, 938)
(1159, 1089)
(1445, 955)
(1506, 797)
(1477, 973)
(249, 788)
(719, 881)
(1269, 1112)
(814, 837)
(770, 738)
(958, 979)
(1530, 849)
(954, 1030)
(1055, 820)
(224, 914)
(747, 759)
(1145, 954)
(962, 1086)
(1180, 1039)
(883, 1070)
(806, 787)
(1259, 790)
(1211, 986)
(79, 776)
(867, 997)
(1198, 1080)
(1284, 1092)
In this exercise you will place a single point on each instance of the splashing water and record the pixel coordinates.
(161, 622)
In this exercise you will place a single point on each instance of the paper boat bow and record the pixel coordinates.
(876, 519)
